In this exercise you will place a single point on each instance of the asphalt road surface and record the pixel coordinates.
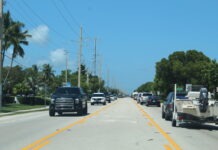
(121, 125)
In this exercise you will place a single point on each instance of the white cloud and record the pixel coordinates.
(39, 34)
(58, 57)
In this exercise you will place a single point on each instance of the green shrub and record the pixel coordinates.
(8, 99)
(33, 100)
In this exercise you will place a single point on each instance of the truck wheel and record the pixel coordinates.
(60, 113)
(163, 114)
(85, 110)
(104, 103)
(51, 112)
(92, 103)
(167, 117)
(173, 122)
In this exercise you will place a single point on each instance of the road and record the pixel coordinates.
(121, 125)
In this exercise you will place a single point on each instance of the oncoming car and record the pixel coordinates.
(98, 98)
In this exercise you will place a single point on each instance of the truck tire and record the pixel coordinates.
(104, 103)
(173, 123)
(167, 117)
(163, 114)
(51, 112)
(85, 110)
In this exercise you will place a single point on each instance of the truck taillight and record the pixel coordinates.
(170, 105)
(180, 118)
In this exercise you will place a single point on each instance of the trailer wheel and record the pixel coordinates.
(174, 123)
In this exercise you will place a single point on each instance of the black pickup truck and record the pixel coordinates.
(68, 99)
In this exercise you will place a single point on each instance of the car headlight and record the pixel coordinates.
(77, 100)
(52, 101)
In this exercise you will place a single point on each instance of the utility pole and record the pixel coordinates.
(1, 37)
(100, 74)
(66, 72)
(87, 78)
(79, 59)
(108, 78)
(95, 56)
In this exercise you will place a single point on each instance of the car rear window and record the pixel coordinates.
(146, 94)
(98, 95)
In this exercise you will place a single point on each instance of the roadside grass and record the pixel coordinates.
(15, 107)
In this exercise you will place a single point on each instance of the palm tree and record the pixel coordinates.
(15, 37)
(7, 33)
(32, 79)
(47, 74)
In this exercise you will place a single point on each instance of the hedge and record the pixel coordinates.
(26, 100)
(8, 99)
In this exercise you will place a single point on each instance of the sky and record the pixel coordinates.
(132, 35)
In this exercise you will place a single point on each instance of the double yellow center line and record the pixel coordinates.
(45, 140)
(165, 135)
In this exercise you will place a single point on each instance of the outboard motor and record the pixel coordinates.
(203, 100)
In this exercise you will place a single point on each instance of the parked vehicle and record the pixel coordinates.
(167, 107)
(134, 95)
(68, 99)
(198, 107)
(138, 97)
(144, 97)
(113, 97)
(107, 96)
(98, 98)
(153, 100)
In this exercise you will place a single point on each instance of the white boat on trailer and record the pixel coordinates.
(198, 107)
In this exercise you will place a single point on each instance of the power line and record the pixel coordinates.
(68, 11)
(42, 20)
(25, 16)
(31, 21)
(72, 17)
(16, 61)
(62, 15)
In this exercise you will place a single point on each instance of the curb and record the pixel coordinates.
(23, 111)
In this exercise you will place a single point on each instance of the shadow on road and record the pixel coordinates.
(72, 115)
(199, 126)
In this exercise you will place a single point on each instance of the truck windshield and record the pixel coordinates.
(67, 91)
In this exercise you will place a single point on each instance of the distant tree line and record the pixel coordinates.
(183, 67)
(37, 81)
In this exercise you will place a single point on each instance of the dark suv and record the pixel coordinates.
(68, 99)
(168, 106)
